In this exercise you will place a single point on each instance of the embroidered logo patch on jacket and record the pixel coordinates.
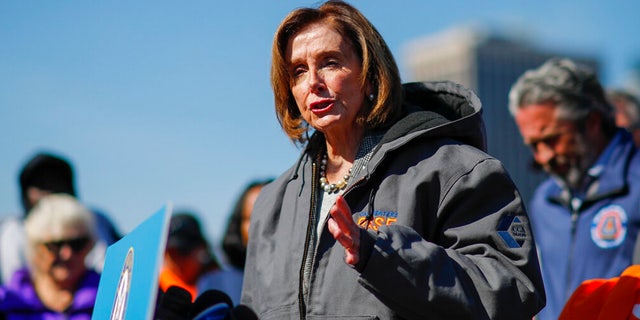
(512, 231)
(609, 226)
(380, 218)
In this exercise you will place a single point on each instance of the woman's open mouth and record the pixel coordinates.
(321, 106)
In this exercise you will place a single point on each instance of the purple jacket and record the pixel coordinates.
(19, 301)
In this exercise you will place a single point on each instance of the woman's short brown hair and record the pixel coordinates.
(379, 68)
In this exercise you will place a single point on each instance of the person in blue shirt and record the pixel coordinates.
(586, 216)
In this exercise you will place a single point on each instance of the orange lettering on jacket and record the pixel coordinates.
(376, 223)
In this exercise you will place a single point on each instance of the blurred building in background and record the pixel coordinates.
(488, 63)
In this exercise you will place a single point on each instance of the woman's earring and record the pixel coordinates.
(371, 97)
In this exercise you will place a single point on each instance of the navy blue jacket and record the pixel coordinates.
(588, 237)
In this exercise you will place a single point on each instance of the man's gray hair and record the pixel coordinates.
(629, 106)
(573, 88)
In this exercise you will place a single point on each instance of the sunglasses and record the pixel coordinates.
(76, 244)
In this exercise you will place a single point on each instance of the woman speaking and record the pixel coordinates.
(393, 210)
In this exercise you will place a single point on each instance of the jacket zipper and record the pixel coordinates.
(575, 207)
(310, 225)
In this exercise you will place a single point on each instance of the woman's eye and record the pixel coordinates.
(332, 63)
(298, 72)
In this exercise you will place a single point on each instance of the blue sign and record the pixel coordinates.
(129, 282)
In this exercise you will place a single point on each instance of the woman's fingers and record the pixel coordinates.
(345, 230)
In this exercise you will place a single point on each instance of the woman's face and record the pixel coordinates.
(325, 72)
(62, 259)
(247, 207)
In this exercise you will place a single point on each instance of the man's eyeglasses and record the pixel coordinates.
(76, 244)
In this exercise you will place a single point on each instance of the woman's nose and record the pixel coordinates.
(316, 81)
(65, 252)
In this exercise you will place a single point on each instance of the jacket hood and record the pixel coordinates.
(433, 109)
(441, 109)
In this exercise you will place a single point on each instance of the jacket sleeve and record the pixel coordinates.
(481, 263)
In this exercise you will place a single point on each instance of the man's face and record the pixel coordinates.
(557, 145)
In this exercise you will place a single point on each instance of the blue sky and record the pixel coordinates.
(158, 101)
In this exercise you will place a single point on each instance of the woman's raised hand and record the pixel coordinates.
(345, 230)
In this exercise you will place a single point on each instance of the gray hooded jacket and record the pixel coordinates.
(447, 234)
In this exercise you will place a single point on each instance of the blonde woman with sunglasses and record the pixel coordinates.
(56, 284)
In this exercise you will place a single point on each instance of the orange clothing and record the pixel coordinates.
(168, 278)
(610, 299)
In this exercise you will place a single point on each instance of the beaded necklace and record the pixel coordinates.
(325, 184)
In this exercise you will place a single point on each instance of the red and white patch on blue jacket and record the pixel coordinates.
(609, 226)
